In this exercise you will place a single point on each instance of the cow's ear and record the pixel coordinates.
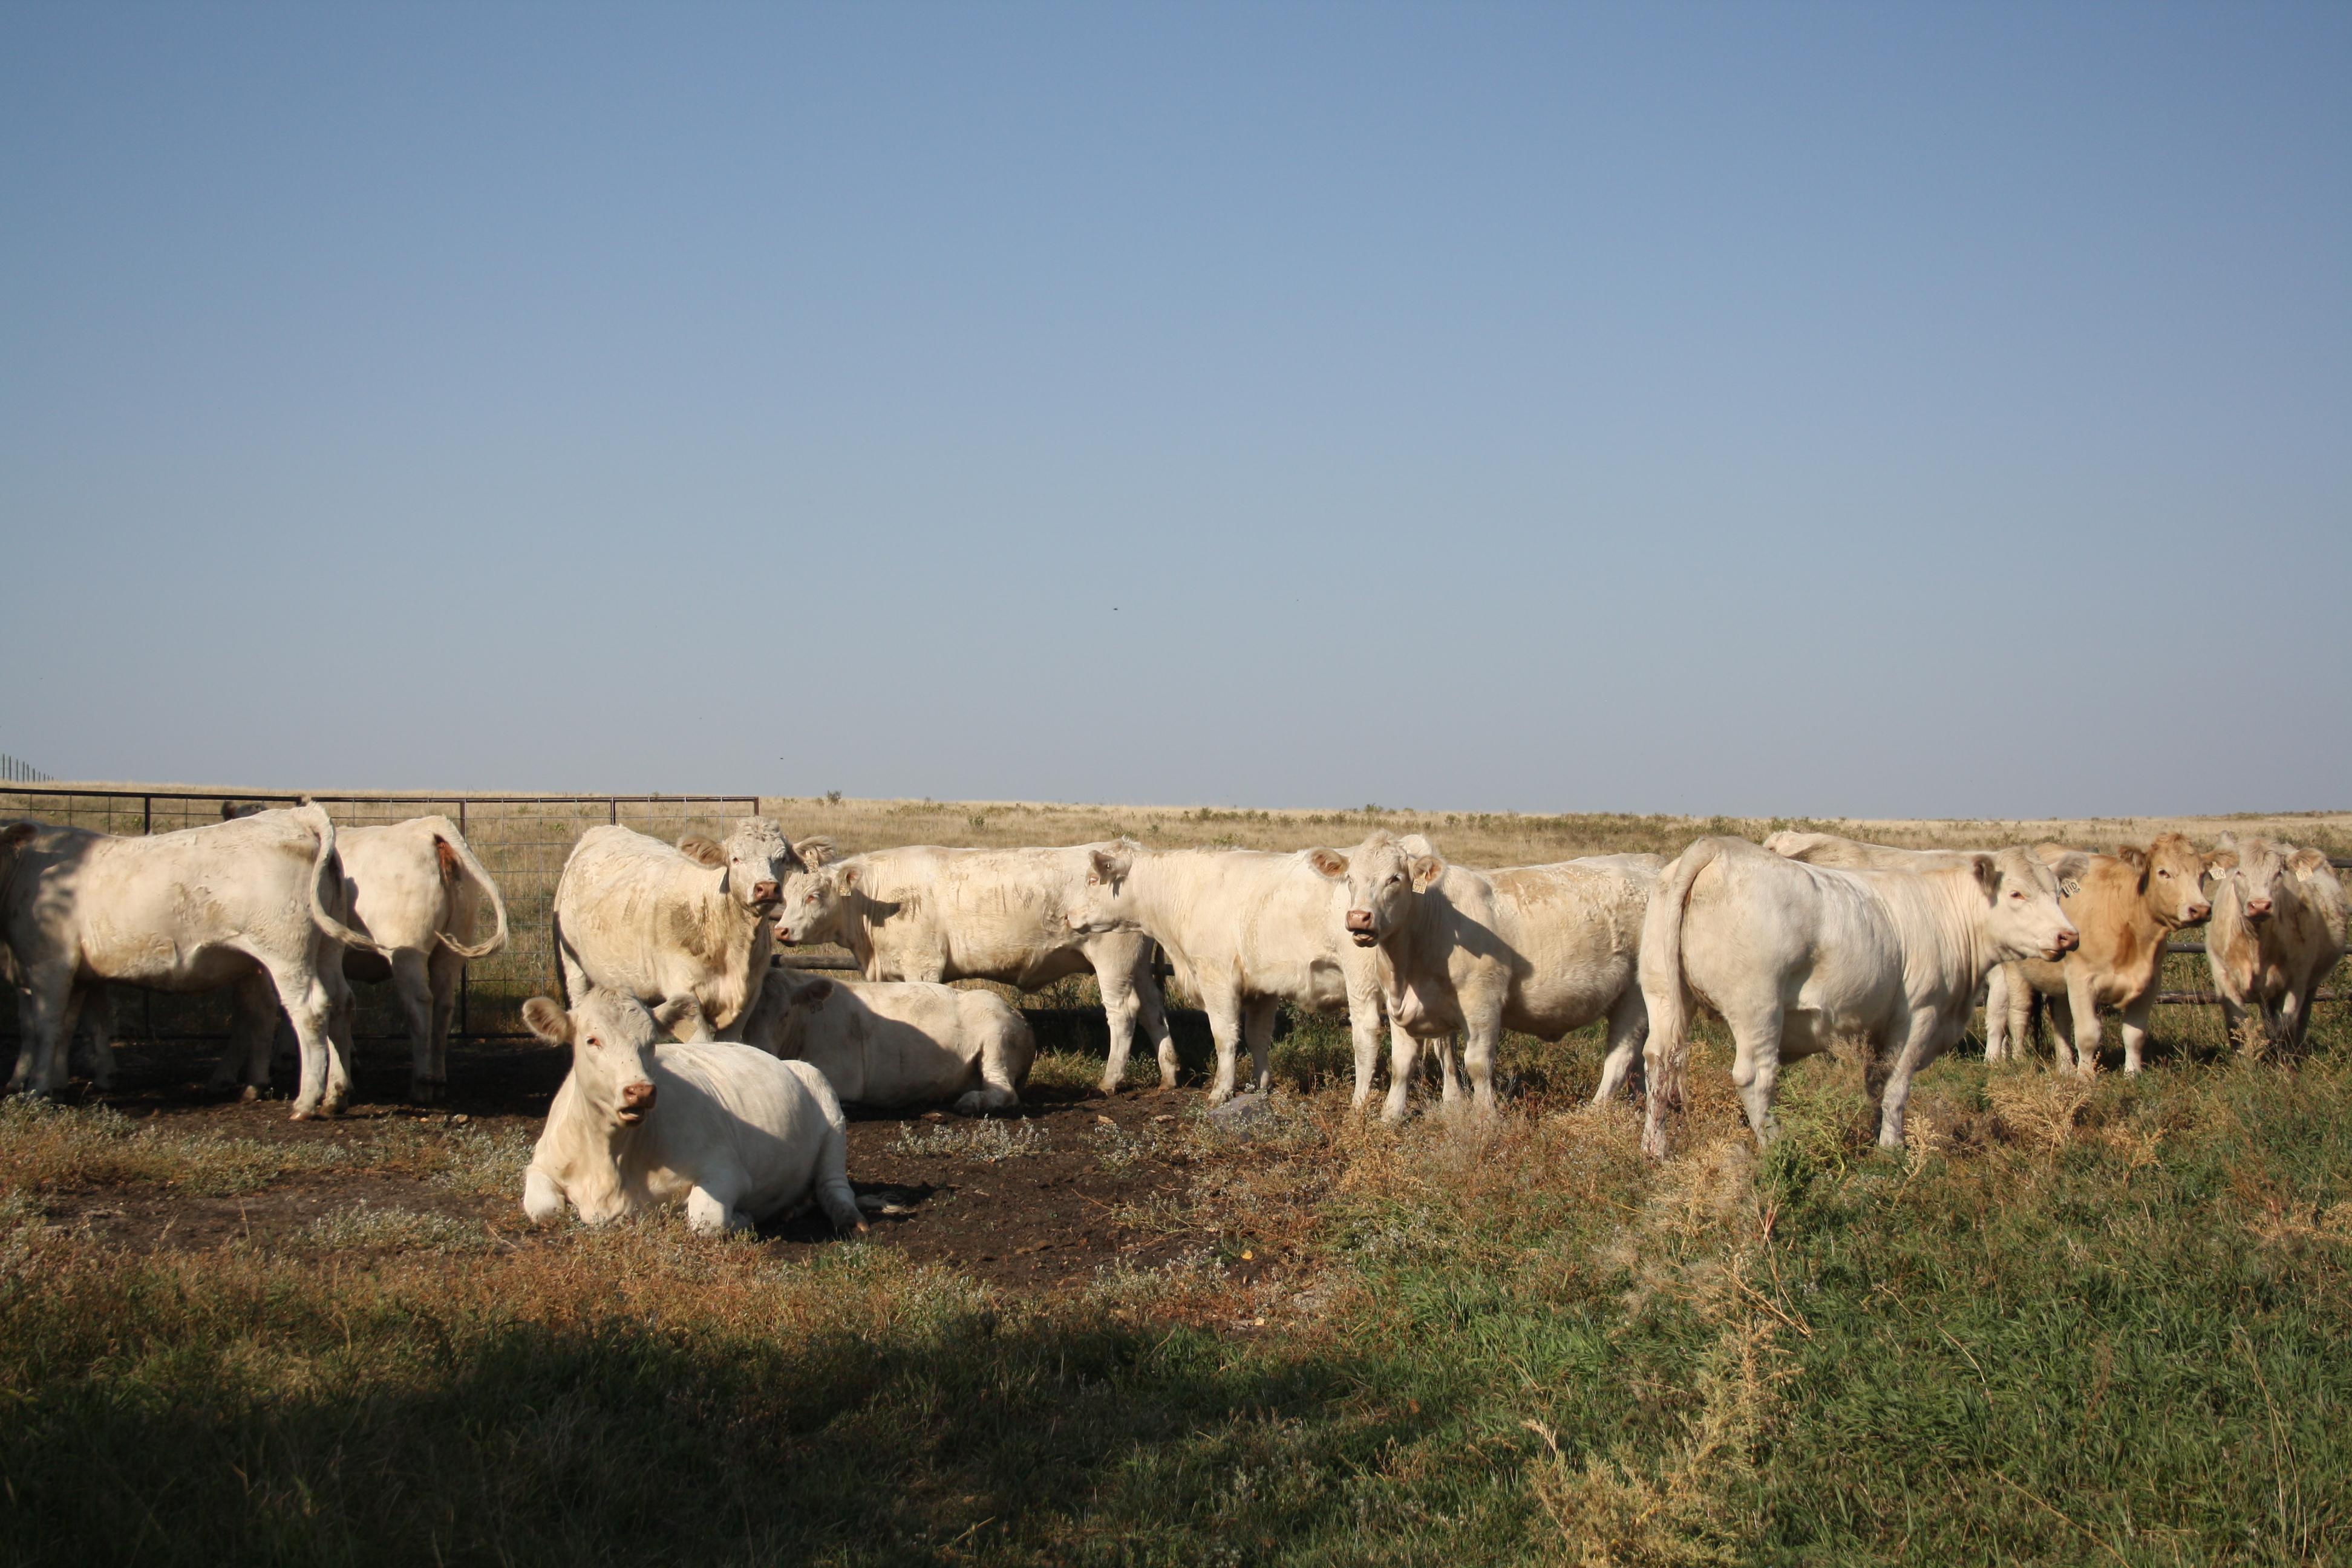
(1329, 863)
(2070, 866)
(16, 834)
(2222, 859)
(808, 993)
(2133, 856)
(1426, 869)
(702, 851)
(2308, 861)
(674, 1012)
(814, 852)
(1988, 872)
(1110, 866)
(551, 1022)
(2050, 854)
(845, 878)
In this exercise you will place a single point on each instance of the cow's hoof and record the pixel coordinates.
(247, 1094)
(302, 1115)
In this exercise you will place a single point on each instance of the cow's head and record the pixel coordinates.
(1382, 875)
(16, 834)
(803, 995)
(1099, 901)
(612, 1040)
(2024, 920)
(755, 860)
(812, 905)
(2259, 876)
(2171, 879)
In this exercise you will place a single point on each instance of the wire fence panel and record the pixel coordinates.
(523, 841)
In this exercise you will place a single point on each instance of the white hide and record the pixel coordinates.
(729, 1132)
(1540, 948)
(1796, 958)
(254, 902)
(924, 913)
(2277, 930)
(1246, 930)
(889, 1043)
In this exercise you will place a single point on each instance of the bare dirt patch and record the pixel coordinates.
(1041, 1201)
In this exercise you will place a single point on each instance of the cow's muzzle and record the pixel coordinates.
(2197, 914)
(636, 1098)
(1360, 927)
(2258, 909)
(767, 893)
(2064, 942)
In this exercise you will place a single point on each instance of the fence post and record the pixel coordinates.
(146, 814)
(614, 807)
(465, 975)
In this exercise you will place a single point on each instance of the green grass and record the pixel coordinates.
(2069, 1327)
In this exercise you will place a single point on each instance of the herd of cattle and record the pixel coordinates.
(1803, 944)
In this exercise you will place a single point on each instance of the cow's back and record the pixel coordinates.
(185, 910)
(983, 914)
(1575, 929)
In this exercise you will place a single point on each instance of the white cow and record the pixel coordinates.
(729, 1131)
(1540, 948)
(2278, 928)
(252, 903)
(662, 924)
(924, 913)
(1246, 930)
(1796, 957)
(1829, 850)
(891, 1042)
(413, 888)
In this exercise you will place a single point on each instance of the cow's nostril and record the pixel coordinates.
(765, 892)
(1359, 919)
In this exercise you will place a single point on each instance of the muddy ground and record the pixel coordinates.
(1046, 1220)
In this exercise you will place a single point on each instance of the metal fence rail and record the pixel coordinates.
(521, 839)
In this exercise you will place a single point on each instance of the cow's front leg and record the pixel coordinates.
(2134, 1027)
(1404, 1064)
(713, 1213)
(45, 1008)
(1916, 1050)
(1258, 1020)
(1629, 1026)
(1224, 1010)
(2088, 1030)
(1364, 1033)
(1480, 1037)
(1998, 1031)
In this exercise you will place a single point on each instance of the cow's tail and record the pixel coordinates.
(454, 843)
(328, 865)
(1663, 990)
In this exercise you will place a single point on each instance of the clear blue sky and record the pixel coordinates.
(1800, 409)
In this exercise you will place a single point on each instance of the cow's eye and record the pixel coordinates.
(1396, 875)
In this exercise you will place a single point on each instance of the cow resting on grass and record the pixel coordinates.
(252, 903)
(924, 913)
(1246, 930)
(730, 1132)
(888, 1044)
(1796, 958)
(664, 924)
(2278, 928)
(1540, 948)
(2126, 906)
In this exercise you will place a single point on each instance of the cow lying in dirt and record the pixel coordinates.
(254, 903)
(1796, 958)
(924, 913)
(2126, 906)
(889, 1043)
(634, 914)
(1540, 948)
(2278, 928)
(729, 1131)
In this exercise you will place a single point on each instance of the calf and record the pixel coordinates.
(1246, 930)
(252, 903)
(924, 913)
(729, 1131)
(663, 924)
(2278, 928)
(1796, 957)
(890, 1044)
(2126, 906)
(1539, 949)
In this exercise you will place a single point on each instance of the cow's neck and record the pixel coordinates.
(591, 1157)
(746, 942)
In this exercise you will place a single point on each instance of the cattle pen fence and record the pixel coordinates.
(521, 840)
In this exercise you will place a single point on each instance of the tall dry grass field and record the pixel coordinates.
(2076, 1322)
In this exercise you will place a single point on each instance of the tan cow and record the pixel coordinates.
(2278, 928)
(1829, 850)
(251, 903)
(2126, 906)
(1796, 958)
(894, 1043)
(1246, 930)
(929, 914)
(1539, 949)
(634, 914)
